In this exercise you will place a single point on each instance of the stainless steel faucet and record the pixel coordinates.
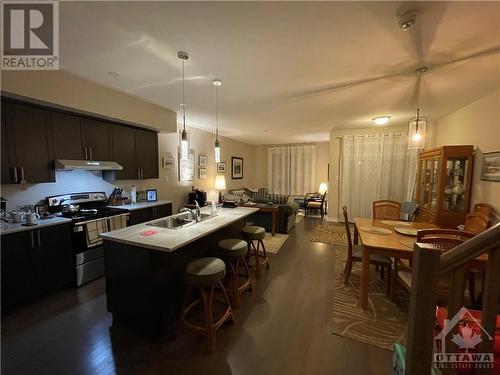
(195, 214)
(198, 211)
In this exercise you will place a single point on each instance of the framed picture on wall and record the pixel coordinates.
(202, 173)
(236, 168)
(202, 161)
(490, 170)
(221, 167)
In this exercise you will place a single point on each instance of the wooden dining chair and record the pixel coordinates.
(443, 239)
(386, 210)
(355, 254)
(476, 222)
(408, 211)
(484, 208)
(315, 201)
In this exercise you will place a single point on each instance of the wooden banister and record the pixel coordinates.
(422, 313)
(428, 264)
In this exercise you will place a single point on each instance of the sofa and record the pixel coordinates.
(286, 212)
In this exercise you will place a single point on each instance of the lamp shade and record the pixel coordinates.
(416, 132)
(323, 188)
(220, 182)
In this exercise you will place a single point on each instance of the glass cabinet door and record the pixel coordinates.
(455, 189)
(436, 170)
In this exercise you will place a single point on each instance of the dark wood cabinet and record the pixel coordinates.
(163, 210)
(146, 150)
(35, 262)
(149, 213)
(33, 136)
(136, 150)
(123, 152)
(17, 276)
(67, 136)
(29, 146)
(97, 139)
(8, 166)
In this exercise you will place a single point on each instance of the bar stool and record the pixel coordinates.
(233, 251)
(205, 275)
(254, 233)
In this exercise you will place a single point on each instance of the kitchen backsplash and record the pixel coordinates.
(66, 182)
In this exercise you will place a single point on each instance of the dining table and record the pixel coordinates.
(384, 241)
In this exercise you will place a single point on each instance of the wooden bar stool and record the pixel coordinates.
(233, 252)
(205, 275)
(254, 233)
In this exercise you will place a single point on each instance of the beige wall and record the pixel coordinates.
(475, 124)
(322, 160)
(68, 90)
(333, 198)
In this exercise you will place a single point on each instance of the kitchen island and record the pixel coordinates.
(144, 267)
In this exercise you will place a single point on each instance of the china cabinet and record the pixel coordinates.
(444, 185)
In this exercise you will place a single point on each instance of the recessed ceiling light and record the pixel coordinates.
(381, 120)
(113, 74)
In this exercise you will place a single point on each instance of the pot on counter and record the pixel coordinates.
(70, 209)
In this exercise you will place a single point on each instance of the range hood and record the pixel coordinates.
(87, 165)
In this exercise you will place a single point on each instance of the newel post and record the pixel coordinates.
(422, 313)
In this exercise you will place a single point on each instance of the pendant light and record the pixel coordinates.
(184, 137)
(217, 83)
(417, 124)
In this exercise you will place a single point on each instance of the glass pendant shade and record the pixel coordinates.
(184, 145)
(416, 132)
(217, 83)
(217, 151)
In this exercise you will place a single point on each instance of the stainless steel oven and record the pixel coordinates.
(90, 217)
(89, 254)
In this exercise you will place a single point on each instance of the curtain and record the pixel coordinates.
(375, 167)
(291, 169)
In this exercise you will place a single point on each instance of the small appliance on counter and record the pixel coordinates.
(198, 195)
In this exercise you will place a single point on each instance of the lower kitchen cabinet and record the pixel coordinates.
(149, 213)
(35, 262)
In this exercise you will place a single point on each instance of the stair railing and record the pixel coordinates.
(428, 264)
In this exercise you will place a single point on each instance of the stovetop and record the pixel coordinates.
(92, 205)
(102, 212)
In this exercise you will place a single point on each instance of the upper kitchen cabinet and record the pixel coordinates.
(97, 139)
(27, 142)
(7, 165)
(146, 150)
(136, 150)
(123, 152)
(67, 136)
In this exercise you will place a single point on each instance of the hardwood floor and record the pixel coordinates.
(282, 327)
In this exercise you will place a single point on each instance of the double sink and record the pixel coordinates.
(178, 221)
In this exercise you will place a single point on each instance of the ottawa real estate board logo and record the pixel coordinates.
(30, 35)
(464, 333)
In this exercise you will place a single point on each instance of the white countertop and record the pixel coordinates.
(139, 205)
(18, 227)
(169, 240)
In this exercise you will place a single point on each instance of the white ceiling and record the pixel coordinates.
(287, 67)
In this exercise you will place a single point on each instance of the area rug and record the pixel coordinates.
(382, 325)
(331, 233)
(274, 243)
